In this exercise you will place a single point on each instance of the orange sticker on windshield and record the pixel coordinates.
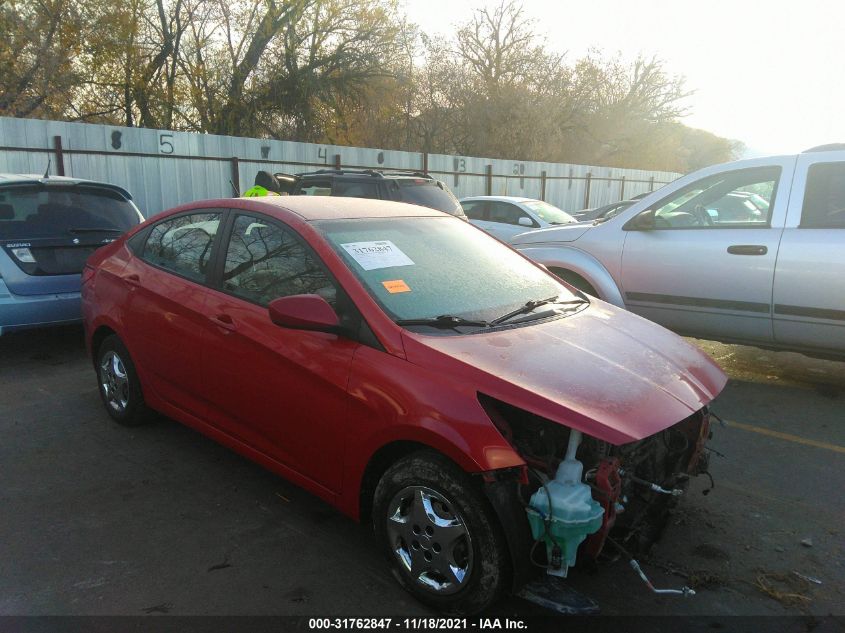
(396, 285)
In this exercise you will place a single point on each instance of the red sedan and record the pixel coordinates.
(410, 370)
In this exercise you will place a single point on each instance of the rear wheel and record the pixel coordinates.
(120, 388)
(440, 534)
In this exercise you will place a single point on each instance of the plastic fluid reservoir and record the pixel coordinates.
(564, 513)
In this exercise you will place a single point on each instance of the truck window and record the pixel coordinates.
(824, 198)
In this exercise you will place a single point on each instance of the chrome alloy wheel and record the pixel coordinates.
(114, 381)
(430, 539)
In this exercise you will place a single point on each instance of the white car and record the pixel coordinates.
(508, 216)
(749, 252)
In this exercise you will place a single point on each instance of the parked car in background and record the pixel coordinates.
(605, 212)
(748, 252)
(401, 186)
(407, 369)
(507, 216)
(48, 228)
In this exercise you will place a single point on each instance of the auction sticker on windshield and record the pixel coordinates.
(396, 285)
(374, 255)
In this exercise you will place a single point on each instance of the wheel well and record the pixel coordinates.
(97, 339)
(381, 460)
(574, 279)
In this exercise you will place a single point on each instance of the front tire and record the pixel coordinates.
(120, 389)
(440, 534)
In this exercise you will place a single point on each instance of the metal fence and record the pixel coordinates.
(163, 168)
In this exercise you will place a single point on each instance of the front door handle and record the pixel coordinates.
(224, 321)
(132, 279)
(748, 249)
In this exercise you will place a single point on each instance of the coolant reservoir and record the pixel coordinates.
(563, 512)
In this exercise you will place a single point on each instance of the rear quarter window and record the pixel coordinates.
(183, 244)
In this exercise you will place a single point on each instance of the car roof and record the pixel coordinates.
(336, 208)
(500, 198)
(29, 179)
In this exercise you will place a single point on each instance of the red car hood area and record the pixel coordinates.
(603, 371)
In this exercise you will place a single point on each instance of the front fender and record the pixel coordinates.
(582, 263)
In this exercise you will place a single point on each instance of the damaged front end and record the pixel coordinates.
(582, 495)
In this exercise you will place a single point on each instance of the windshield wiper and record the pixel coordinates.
(445, 321)
(532, 305)
(102, 229)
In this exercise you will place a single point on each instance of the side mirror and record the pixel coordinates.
(303, 312)
(641, 222)
(523, 221)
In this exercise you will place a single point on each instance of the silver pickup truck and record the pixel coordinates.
(749, 252)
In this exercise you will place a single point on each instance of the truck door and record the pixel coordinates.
(704, 264)
(809, 289)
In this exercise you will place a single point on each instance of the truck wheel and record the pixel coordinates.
(120, 388)
(439, 534)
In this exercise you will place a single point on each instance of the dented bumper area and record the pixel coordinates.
(580, 498)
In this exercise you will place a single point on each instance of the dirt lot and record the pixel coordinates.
(100, 519)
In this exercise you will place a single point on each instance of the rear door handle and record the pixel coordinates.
(748, 249)
(132, 280)
(224, 321)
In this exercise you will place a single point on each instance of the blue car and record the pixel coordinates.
(48, 228)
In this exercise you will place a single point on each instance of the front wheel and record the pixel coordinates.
(120, 388)
(440, 534)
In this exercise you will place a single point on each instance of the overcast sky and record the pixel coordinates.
(769, 73)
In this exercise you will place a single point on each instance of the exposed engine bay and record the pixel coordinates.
(587, 496)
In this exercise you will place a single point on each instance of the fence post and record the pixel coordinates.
(622, 189)
(236, 176)
(587, 192)
(543, 185)
(651, 184)
(337, 161)
(489, 177)
(60, 156)
(425, 162)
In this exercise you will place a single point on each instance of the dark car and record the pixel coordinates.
(410, 370)
(411, 187)
(48, 228)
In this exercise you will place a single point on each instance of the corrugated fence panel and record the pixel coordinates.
(163, 169)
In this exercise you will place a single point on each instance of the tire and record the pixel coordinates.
(119, 386)
(428, 516)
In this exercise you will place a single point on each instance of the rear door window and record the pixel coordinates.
(183, 244)
(28, 212)
(824, 198)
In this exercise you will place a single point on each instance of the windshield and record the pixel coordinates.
(50, 211)
(428, 194)
(424, 267)
(549, 213)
